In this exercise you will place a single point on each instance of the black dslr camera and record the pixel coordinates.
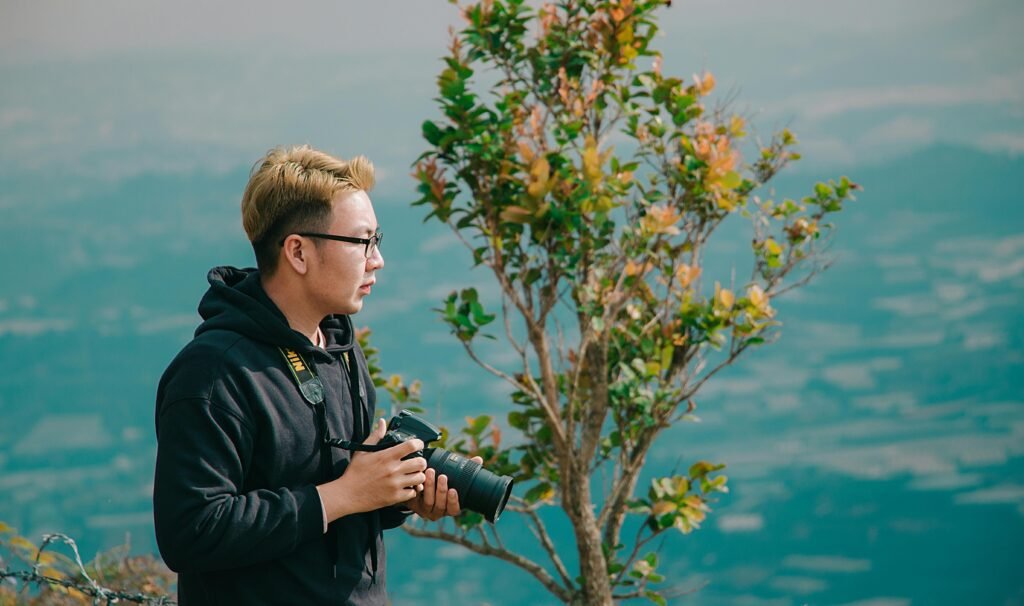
(479, 490)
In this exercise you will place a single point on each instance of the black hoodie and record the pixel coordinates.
(239, 457)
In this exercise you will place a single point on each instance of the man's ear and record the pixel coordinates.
(295, 253)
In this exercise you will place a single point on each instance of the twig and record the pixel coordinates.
(538, 572)
(541, 532)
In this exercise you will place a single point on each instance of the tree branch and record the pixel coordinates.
(732, 357)
(562, 593)
(613, 513)
(541, 532)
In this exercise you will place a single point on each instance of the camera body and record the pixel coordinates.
(479, 489)
(405, 426)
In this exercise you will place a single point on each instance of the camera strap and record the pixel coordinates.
(312, 390)
(309, 384)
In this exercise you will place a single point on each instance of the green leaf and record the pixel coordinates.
(541, 492)
(732, 180)
(479, 316)
(469, 295)
(478, 425)
(469, 519)
(431, 132)
(666, 355)
(518, 420)
(703, 468)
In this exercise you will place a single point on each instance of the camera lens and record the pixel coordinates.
(479, 490)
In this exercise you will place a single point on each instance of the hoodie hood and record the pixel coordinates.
(237, 302)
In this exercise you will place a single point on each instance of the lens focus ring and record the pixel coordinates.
(460, 471)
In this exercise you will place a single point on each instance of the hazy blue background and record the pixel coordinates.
(876, 452)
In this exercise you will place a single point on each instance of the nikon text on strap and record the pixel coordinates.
(309, 384)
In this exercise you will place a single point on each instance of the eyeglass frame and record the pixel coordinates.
(375, 239)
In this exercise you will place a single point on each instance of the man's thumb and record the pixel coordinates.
(378, 432)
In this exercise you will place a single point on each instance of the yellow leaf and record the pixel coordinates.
(661, 220)
(724, 297)
(540, 173)
(662, 507)
(686, 274)
(725, 202)
(731, 180)
(22, 543)
(736, 126)
(525, 152)
(696, 503)
(53, 573)
(516, 214)
(772, 247)
(682, 485)
(705, 84)
(591, 161)
(760, 300)
(635, 269)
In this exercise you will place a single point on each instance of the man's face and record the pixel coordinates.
(343, 275)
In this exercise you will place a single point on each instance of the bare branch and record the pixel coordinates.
(541, 532)
(516, 345)
(549, 403)
(538, 572)
(803, 281)
(491, 369)
(613, 513)
(638, 544)
(735, 353)
(677, 593)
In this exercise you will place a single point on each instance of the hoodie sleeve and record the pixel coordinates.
(203, 519)
(393, 517)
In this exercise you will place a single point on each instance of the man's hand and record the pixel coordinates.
(375, 479)
(436, 500)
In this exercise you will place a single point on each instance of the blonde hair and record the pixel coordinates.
(291, 190)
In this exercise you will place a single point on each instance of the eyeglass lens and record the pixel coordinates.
(373, 244)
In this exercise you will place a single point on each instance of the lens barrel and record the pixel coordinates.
(479, 490)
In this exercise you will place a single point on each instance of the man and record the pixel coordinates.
(250, 503)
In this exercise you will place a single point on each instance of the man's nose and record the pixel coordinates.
(376, 260)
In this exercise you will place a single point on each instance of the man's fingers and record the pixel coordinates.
(416, 479)
(454, 508)
(405, 448)
(378, 432)
(412, 465)
(479, 460)
(428, 489)
(441, 500)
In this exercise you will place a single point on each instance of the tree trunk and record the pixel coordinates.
(597, 589)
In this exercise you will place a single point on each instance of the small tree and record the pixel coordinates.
(598, 251)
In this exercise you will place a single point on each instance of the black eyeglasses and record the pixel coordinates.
(372, 243)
